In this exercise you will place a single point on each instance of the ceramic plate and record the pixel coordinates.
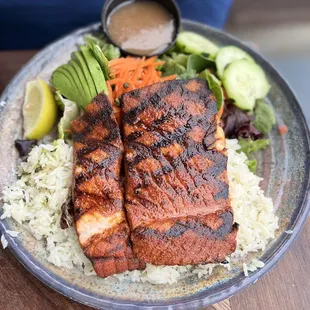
(284, 167)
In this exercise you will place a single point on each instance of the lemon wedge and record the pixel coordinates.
(39, 110)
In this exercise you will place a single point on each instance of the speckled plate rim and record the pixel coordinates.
(204, 298)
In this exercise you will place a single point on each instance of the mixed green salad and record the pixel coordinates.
(238, 83)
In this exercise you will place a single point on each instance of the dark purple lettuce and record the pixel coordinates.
(238, 123)
(24, 147)
(67, 212)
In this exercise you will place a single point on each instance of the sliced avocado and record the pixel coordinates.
(78, 57)
(73, 63)
(102, 60)
(62, 82)
(64, 70)
(79, 89)
(95, 69)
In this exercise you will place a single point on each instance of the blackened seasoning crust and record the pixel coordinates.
(177, 198)
(99, 213)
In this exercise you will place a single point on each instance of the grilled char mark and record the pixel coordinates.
(101, 222)
(164, 162)
(204, 239)
(85, 202)
(176, 168)
(182, 225)
(98, 156)
(105, 267)
(184, 164)
(110, 244)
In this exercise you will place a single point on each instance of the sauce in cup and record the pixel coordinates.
(141, 27)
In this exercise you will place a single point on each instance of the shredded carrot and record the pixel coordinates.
(157, 63)
(169, 78)
(283, 130)
(116, 81)
(220, 112)
(131, 73)
(110, 91)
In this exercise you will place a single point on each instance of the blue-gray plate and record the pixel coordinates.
(284, 167)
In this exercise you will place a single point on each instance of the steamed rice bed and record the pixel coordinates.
(44, 184)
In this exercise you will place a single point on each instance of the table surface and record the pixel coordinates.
(285, 287)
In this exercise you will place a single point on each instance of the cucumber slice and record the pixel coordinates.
(193, 43)
(227, 55)
(245, 82)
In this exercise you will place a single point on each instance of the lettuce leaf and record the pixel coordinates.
(199, 63)
(248, 147)
(180, 58)
(215, 86)
(174, 64)
(70, 112)
(252, 164)
(185, 66)
(264, 117)
(110, 51)
(188, 74)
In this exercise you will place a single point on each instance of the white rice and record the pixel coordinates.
(12, 233)
(35, 200)
(289, 232)
(43, 185)
(4, 242)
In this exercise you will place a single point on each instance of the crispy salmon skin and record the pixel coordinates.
(177, 193)
(100, 219)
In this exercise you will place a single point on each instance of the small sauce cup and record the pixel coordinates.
(111, 6)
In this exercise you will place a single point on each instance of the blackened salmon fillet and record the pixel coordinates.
(98, 201)
(177, 192)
